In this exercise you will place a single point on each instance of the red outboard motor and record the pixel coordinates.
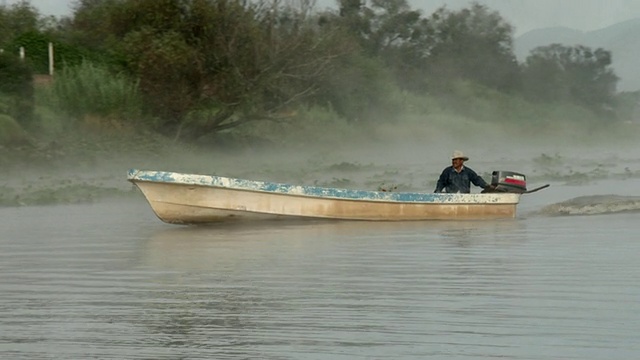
(509, 181)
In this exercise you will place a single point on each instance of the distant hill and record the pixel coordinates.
(622, 39)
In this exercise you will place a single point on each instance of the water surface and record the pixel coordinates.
(110, 281)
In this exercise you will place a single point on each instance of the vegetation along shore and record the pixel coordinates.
(158, 78)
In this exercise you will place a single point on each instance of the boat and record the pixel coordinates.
(179, 198)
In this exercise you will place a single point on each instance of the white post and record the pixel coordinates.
(51, 58)
(21, 53)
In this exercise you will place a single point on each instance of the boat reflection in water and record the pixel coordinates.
(235, 244)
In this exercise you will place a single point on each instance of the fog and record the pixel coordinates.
(409, 158)
(526, 15)
(409, 155)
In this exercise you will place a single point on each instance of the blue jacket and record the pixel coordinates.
(451, 181)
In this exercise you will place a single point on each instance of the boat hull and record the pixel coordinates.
(197, 199)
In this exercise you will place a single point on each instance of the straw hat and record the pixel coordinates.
(459, 155)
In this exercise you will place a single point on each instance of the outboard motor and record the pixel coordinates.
(509, 181)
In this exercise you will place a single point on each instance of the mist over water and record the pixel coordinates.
(407, 159)
(101, 277)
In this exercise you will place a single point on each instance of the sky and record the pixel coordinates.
(525, 15)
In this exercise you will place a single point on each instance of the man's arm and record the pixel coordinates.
(442, 181)
(477, 180)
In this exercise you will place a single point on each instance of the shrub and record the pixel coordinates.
(89, 89)
(16, 84)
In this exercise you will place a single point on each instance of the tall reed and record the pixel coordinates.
(89, 89)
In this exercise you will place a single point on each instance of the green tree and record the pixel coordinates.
(392, 33)
(473, 44)
(206, 66)
(577, 74)
(21, 26)
(16, 19)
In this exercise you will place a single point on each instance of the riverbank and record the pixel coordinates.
(78, 168)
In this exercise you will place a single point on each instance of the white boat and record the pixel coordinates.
(179, 198)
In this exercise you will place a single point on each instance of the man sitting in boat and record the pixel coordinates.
(457, 178)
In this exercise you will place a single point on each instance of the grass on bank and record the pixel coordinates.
(89, 90)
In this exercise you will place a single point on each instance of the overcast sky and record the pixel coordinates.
(525, 15)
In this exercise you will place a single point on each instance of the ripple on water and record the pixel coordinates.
(111, 284)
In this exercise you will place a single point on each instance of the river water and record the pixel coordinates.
(108, 280)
